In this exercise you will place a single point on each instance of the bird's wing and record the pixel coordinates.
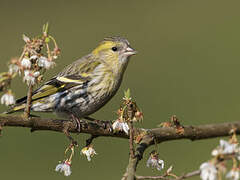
(77, 73)
(53, 86)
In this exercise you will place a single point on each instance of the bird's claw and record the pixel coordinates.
(78, 123)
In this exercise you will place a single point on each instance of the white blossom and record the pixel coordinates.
(227, 147)
(36, 74)
(64, 167)
(120, 126)
(8, 99)
(33, 57)
(155, 163)
(29, 77)
(26, 63)
(238, 154)
(13, 68)
(233, 174)
(216, 152)
(25, 38)
(55, 57)
(208, 171)
(45, 63)
(89, 152)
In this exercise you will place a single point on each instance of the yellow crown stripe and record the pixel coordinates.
(102, 46)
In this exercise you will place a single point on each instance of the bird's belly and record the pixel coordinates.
(81, 108)
(85, 101)
(81, 105)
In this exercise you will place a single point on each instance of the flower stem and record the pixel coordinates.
(54, 41)
(48, 52)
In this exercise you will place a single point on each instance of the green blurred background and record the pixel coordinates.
(188, 64)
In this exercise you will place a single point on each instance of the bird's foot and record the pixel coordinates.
(77, 120)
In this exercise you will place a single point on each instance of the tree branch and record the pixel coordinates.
(196, 132)
(100, 128)
(159, 135)
(133, 162)
(104, 128)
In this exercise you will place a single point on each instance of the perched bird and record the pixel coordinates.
(86, 85)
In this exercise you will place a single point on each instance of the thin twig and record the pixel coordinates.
(163, 177)
(1, 127)
(131, 135)
(23, 53)
(30, 89)
(124, 176)
(190, 174)
(89, 140)
(29, 101)
(152, 177)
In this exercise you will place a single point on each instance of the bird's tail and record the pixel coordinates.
(19, 106)
(15, 108)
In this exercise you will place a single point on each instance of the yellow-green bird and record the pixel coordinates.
(86, 85)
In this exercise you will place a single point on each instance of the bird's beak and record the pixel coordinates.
(130, 51)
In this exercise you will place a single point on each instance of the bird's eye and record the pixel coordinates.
(114, 48)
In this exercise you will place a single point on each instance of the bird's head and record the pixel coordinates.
(115, 51)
